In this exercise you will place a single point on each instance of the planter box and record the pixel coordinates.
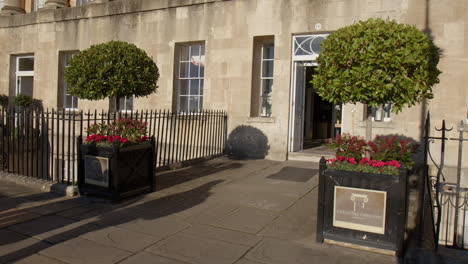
(362, 210)
(116, 172)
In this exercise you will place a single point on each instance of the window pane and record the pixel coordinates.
(267, 86)
(129, 103)
(26, 85)
(195, 51)
(377, 112)
(202, 84)
(265, 110)
(193, 103)
(122, 103)
(194, 85)
(316, 44)
(268, 51)
(200, 102)
(194, 68)
(69, 101)
(183, 104)
(202, 69)
(184, 54)
(387, 110)
(267, 69)
(184, 70)
(184, 87)
(75, 102)
(26, 64)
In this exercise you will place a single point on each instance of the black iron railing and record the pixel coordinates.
(43, 144)
(444, 188)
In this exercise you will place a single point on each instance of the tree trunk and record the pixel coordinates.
(368, 122)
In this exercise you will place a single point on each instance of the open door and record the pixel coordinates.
(298, 106)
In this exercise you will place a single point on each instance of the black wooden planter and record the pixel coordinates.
(115, 172)
(362, 209)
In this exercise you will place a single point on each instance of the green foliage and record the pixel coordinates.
(23, 100)
(366, 168)
(375, 62)
(348, 146)
(112, 69)
(3, 100)
(26, 101)
(382, 148)
(394, 148)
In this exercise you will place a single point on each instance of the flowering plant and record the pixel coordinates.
(365, 165)
(348, 146)
(386, 154)
(122, 131)
(393, 148)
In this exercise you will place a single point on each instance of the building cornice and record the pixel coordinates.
(95, 10)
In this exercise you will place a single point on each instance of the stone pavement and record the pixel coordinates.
(222, 211)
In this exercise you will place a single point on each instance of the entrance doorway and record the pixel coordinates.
(313, 119)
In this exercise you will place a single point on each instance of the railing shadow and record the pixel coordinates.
(114, 215)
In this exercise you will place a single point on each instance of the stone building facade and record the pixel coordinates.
(252, 58)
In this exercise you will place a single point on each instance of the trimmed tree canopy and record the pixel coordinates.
(112, 69)
(376, 62)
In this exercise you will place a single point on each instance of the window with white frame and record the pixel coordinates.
(38, 4)
(382, 113)
(81, 2)
(24, 75)
(126, 103)
(190, 75)
(67, 100)
(262, 76)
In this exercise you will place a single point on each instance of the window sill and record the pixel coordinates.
(261, 120)
(379, 124)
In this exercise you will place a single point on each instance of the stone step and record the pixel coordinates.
(310, 157)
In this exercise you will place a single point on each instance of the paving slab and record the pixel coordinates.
(10, 189)
(198, 250)
(274, 251)
(78, 212)
(145, 257)
(159, 228)
(209, 213)
(16, 246)
(121, 238)
(246, 219)
(51, 208)
(298, 223)
(43, 227)
(248, 261)
(83, 251)
(15, 216)
(38, 259)
(222, 234)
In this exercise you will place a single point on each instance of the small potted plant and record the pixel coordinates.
(116, 159)
(363, 192)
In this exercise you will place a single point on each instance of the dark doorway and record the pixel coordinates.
(320, 116)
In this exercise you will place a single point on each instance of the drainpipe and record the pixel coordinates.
(12, 7)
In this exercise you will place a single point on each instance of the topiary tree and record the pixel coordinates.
(375, 62)
(113, 69)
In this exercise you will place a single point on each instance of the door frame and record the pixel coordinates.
(303, 50)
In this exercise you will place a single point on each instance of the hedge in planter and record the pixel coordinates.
(117, 160)
(376, 62)
(363, 201)
(111, 70)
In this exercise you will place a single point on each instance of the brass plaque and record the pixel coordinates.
(97, 171)
(360, 209)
